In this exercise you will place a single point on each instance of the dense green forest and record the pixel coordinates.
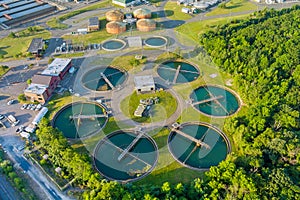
(262, 54)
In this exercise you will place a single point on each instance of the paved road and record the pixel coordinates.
(8, 142)
(7, 192)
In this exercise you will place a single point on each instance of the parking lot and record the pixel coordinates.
(24, 116)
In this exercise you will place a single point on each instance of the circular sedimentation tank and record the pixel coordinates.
(114, 15)
(115, 27)
(142, 13)
(138, 160)
(146, 25)
(113, 45)
(177, 72)
(80, 119)
(103, 78)
(156, 42)
(198, 145)
(215, 101)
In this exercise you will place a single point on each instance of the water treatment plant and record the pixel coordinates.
(142, 101)
(126, 156)
(198, 145)
(215, 101)
(113, 45)
(103, 78)
(177, 72)
(80, 119)
(156, 42)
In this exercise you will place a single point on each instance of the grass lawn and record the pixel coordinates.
(194, 29)
(173, 11)
(14, 48)
(167, 169)
(93, 37)
(3, 70)
(128, 63)
(57, 22)
(164, 109)
(58, 101)
(233, 6)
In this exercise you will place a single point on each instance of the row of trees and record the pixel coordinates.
(7, 169)
(263, 56)
(221, 182)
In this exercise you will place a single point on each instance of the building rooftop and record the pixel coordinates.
(41, 79)
(56, 67)
(135, 41)
(142, 81)
(93, 21)
(36, 45)
(36, 88)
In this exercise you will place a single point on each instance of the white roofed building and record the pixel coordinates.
(37, 92)
(144, 83)
(59, 67)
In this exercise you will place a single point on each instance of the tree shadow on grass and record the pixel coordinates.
(162, 13)
(170, 24)
(233, 6)
(2, 51)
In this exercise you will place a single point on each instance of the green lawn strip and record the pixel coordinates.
(92, 37)
(173, 11)
(3, 70)
(233, 6)
(164, 109)
(57, 22)
(128, 63)
(167, 169)
(16, 48)
(69, 55)
(194, 29)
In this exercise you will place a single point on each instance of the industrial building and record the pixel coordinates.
(14, 12)
(44, 84)
(124, 3)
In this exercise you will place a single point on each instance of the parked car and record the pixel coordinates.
(20, 129)
(1, 116)
(24, 106)
(10, 102)
(33, 107)
(38, 107)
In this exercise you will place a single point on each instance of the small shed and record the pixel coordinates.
(36, 46)
(144, 83)
(93, 24)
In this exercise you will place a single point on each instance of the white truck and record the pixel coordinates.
(12, 120)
